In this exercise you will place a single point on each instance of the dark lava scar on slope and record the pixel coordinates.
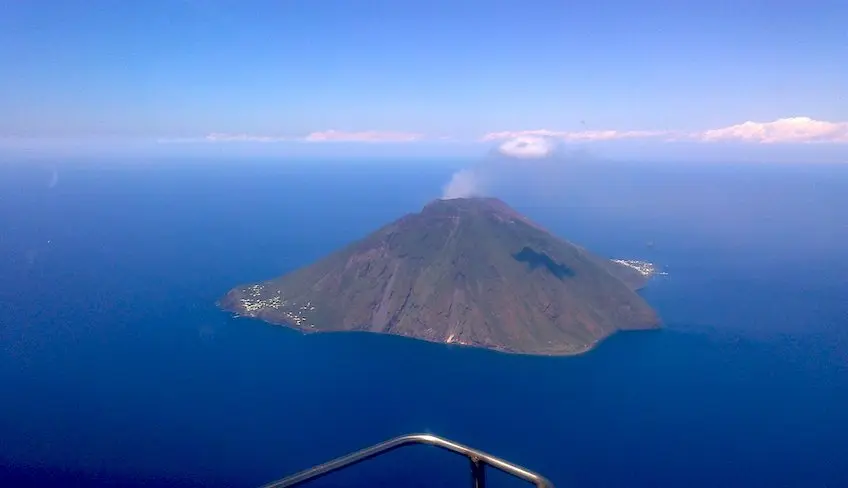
(535, 259)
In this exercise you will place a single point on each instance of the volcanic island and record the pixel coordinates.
(466, 271)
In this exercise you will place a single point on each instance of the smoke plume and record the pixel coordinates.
(502, 165)
(463, 184)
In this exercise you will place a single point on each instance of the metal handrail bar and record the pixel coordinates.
(479, 460)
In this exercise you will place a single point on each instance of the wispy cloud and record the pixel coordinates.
(510, 134)
(586, 135)
(786, 130)
(366, 136)
(320, 136)
(223, 137)
(791, 130)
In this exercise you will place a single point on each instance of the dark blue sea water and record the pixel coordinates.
(116, 367)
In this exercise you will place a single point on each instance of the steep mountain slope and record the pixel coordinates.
(469, 271)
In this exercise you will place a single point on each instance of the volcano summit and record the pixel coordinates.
(469, 271)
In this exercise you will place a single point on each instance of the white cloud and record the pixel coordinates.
(792, 129)
(320, 136)
(223, 137)
(493, 136)
(366, 136)
(528, 147)
(786, 130)
(609, 135)
(586, 135)
(539, 142)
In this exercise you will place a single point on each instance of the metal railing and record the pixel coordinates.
(479, 460)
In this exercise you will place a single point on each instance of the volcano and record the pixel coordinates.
(469, 271)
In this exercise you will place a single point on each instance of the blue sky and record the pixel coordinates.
(446, 73)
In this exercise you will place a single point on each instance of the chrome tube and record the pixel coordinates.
(479, 461)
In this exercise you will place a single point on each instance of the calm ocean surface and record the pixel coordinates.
(116, 367)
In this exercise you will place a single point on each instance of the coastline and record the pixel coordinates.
(576, 351)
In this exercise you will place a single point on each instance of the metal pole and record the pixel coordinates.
(479, 460)
(478, 473)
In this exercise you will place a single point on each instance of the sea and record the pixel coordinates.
(118, 369)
